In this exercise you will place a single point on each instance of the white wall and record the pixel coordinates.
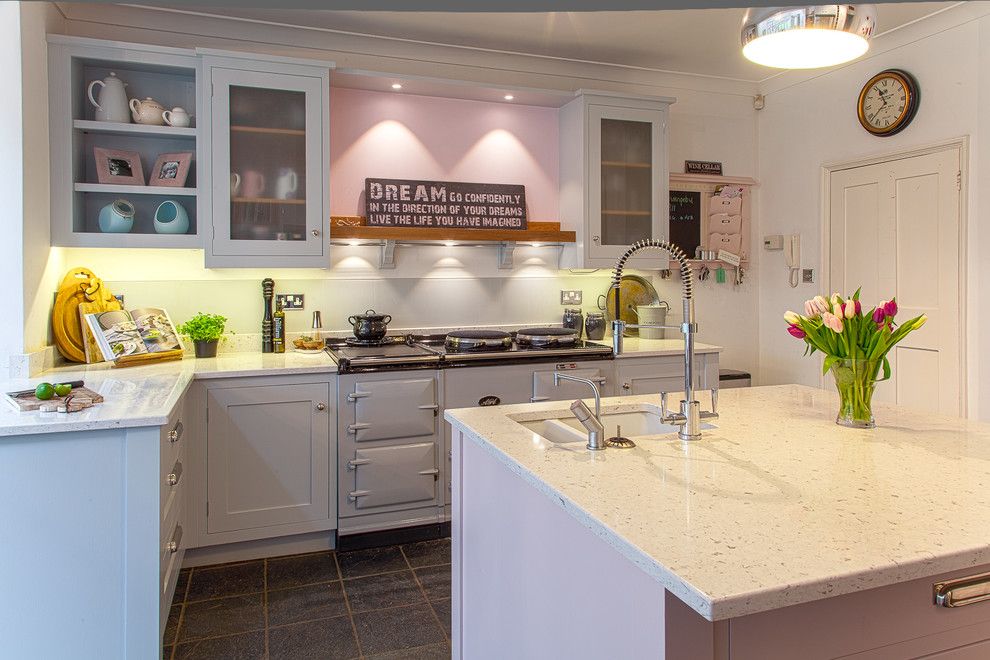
(432, 287)
(810, 121)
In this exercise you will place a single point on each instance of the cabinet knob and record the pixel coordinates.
(596, 239)
(321, 406)
(626, 386)
(315, 232)
(175, 433)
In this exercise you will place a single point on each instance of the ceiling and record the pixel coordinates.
(695, 41)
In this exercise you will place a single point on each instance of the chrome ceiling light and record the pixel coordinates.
(807, 37)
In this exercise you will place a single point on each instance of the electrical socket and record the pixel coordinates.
(290, 301)
(808, 275)
(571, 296)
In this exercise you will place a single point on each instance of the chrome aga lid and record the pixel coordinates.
(478, 340)
(547, 337)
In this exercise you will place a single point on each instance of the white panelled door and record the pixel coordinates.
(894, 230)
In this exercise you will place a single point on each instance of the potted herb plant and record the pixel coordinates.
(205, 331)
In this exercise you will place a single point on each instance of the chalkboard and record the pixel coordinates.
(443, 204)
(685, 220)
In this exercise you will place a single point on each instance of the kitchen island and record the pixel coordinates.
(778, 534)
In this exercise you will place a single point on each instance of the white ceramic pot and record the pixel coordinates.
(286, 184)
(177, 117)
(112, 105)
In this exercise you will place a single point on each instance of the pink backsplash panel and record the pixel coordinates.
(396, 135)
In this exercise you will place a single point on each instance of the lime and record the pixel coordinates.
(62, 389)
(44, 391)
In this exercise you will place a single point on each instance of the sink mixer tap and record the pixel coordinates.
(690, 416)
(591, 422)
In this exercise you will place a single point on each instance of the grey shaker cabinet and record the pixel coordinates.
(268, 460)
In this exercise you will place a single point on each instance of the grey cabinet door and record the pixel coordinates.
(664, 374)
(399, 408)
(394, 476)
(267, 456)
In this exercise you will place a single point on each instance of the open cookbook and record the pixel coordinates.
(122, 334)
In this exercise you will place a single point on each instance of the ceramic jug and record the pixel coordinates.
(177, 117)
(117, 217)
(112, 105)
(253, 184)
(149, 111)
(235, 184)
(286, 184)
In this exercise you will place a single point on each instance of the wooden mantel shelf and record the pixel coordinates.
(347, 228)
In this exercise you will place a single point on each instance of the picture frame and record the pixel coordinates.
(171, 170)
(118, 167)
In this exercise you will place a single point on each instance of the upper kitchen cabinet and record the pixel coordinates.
(614, 176)
(124, 144)
(269, 153)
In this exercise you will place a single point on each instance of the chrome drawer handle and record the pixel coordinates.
(434, 471)
(355, 494)
(173, 546)
(354, 428)
(354, 396)
(175, 474)
(963, 591)
(430, 407)
(534, 399)
(176, 432)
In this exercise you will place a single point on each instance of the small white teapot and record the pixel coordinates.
(177, 117)
(149, 111)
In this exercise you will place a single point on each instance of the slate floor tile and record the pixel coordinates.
(301, 569)
(431, 652)
(172, 624)
(226, 580)
(435, 581)
(442, 608)
(375, 592)
(357, 563)
(222, 616)
(325, 639)
(427, 553)
(313, 601)
(250, 646)
(398, 628)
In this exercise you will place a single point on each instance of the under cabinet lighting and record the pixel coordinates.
(450, 243)
(396, 86)
(508, 97)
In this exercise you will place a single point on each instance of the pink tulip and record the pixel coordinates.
(890, 308)
(859, 308)
(832, 322)
(878, 316)
(796, 332)
(809, 309)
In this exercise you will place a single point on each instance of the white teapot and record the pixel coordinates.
(112, 105)
(177, 117)
(149, 111)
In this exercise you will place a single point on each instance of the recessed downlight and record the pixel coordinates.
(396, 86)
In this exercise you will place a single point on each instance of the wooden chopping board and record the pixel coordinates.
(82, 397)
(83, 291)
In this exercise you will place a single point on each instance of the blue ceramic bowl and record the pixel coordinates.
(117, 217)
(171, 218)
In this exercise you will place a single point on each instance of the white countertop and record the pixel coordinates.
(145, 395)
(776, 506)
(634, 347)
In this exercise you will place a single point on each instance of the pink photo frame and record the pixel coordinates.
(171, 170)
(120, 167)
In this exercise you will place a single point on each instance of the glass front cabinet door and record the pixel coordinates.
(627, 179)
(269, 125)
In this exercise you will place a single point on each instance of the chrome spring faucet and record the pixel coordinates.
(690, 416)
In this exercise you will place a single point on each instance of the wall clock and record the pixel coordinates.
(888, 102)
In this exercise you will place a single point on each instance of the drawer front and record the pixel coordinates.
(389, 409)
(171, 489)
(730, 205)
(723, 223)
(393, 476)
(172, 551)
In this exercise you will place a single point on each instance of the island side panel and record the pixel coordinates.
(530, 581)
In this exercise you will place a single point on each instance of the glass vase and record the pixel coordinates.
(855, 380)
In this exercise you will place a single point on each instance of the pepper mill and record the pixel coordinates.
(317, 330)
(268, 291)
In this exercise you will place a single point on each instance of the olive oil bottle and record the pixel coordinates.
(278, 329)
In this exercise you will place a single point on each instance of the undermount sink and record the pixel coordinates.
(565, 429)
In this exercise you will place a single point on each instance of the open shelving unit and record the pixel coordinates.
(170, 76)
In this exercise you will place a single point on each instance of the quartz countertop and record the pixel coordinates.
(145, 395)
(634, 347)
(775, 506)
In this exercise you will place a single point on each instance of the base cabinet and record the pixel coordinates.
(268, 460)
(637, 376)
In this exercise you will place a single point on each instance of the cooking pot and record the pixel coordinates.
(370, 326)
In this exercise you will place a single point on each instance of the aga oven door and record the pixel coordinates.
(393, 408)
(403, 475)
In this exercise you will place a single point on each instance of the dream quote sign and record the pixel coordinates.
(411, 203)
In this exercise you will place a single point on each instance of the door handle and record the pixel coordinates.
(963, 591)
(354, 463)
(354, 428)
(434, 471)
(600, 381)
(430, 407)
(354, 396)
(355, 494)
(534, 399)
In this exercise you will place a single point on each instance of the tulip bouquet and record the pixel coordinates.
(855, 346)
